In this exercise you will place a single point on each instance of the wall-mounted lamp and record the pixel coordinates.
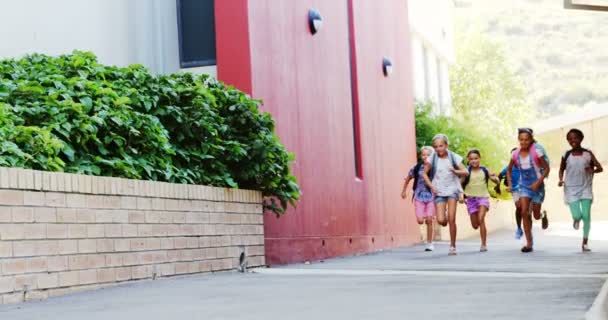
(315, 21)
(387, 67)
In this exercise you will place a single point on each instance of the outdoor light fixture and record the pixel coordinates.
(387, 67)
(593, 5)
(315, 21)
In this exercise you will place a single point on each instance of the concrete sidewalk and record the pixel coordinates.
(554, 282)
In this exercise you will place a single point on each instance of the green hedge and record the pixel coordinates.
(72, 114)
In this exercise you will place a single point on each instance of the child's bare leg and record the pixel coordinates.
(482, 225)
(441, 218)
(527, 221)
(518, 214)
(536, 210)
(452, 221)
(474, 220)
(429, 230)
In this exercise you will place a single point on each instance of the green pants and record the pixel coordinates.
(581, 210)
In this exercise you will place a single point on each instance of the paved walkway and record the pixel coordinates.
(554, 282)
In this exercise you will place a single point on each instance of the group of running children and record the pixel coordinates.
(441, 180)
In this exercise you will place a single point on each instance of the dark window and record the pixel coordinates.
(196, 25)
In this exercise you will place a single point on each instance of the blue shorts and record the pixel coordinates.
(535, 197)
(540, 198)
(440, 199)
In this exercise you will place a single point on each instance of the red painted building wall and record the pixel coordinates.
(265, 48)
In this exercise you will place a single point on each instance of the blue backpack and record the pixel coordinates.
(468, 178)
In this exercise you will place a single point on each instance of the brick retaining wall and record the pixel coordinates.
(61, 233)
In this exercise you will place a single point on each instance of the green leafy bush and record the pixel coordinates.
(72, 114)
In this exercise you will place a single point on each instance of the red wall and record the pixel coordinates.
(305, 82)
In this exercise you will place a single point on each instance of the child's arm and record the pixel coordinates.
(461, 171)
(494, 177)
(427, 180)
(405, 184)
(596, 164)
(562, 168)
(546, 168)
(509, 175)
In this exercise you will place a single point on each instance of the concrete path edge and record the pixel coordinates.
(599, 308)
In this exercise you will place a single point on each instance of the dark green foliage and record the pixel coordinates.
(72, 114)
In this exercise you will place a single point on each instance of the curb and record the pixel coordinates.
(599, 308)
(438, 273)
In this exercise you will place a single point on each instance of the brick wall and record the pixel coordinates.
(61, 233)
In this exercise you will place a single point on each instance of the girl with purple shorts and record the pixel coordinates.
(477, 195)
(422, 196)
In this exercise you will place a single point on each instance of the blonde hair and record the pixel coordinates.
(442, 137)
(427, 148)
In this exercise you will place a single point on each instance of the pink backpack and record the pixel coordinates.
(533, 153)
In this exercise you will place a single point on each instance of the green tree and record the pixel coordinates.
(487, 95)
(489, 102)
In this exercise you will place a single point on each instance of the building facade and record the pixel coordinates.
(342, 95)
(119, 32)
(432, 38)
(592, 120)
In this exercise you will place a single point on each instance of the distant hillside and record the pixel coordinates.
(562, 55)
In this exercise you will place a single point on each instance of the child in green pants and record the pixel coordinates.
(579, 165)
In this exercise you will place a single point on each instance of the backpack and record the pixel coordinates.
(467, 179)
(504, 179)
(567, 155)
(417, 177)
(434, 163)
(533, 153)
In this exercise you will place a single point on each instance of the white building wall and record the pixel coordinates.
(432, 51)
(119, 32)
(432, 83)
(444, 83)
(419, 73)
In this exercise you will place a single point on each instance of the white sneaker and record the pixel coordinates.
(452, 251)
(429, 247)
(586, 248)
(483, 249)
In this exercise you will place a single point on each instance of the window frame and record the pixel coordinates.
(195, 63)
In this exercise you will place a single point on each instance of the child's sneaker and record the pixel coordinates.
(429, 247)
(452, 251)
(576, 224)
(586, 248)
(519, 233)
(483, 249)
(545, 222)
